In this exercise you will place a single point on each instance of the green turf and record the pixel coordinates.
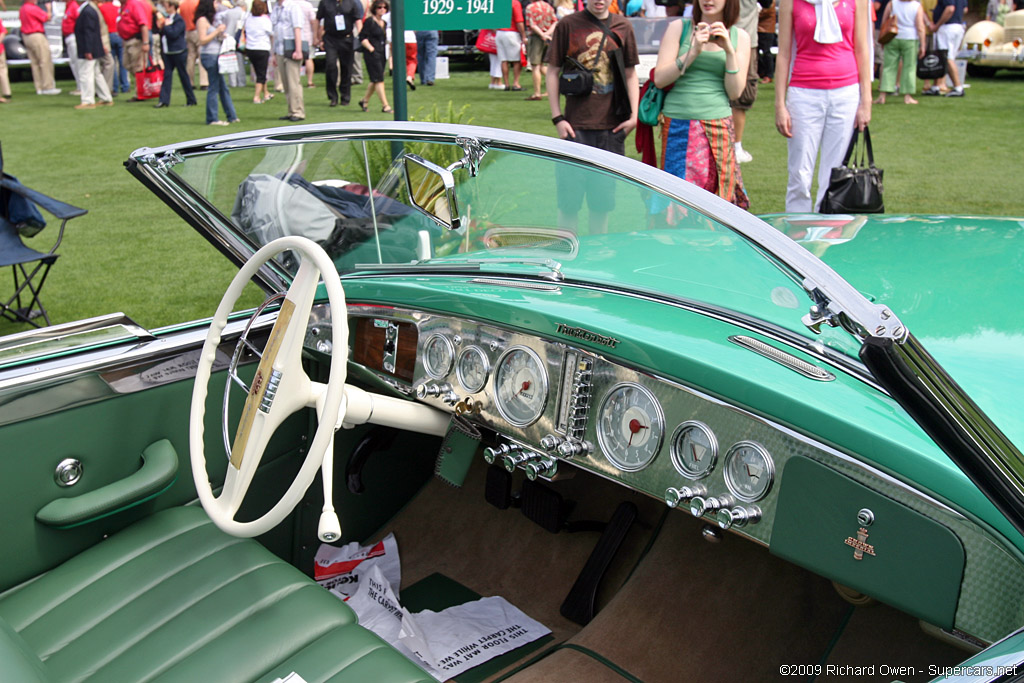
(132, 254)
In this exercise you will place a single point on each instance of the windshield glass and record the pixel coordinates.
(521, 213)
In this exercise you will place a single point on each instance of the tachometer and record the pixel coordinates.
(520, 386)
(438, 356)
(630, 427)
(472, 369)
(749, 471)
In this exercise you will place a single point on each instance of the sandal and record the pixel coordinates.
(534, 98)
(387, 110)
(364, 105)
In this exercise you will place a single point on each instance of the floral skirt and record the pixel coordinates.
(702, 152)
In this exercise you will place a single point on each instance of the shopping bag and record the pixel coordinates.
(933, 65)
(227, 63)
(148, 82)
(485, 42)
(856, 185)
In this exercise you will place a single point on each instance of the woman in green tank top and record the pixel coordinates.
(706, 64)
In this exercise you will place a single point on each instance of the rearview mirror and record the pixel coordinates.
(432, 191)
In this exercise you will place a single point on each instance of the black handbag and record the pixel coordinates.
(855, 187)
(575, 79)
(933, 65)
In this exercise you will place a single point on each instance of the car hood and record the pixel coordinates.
(956, 294)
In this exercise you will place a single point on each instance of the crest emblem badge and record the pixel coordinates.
(860, 544)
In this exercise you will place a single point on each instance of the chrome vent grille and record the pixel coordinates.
(562, 242)
(781, 357)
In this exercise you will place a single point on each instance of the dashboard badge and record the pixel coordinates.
(860, 545)
(586, 335)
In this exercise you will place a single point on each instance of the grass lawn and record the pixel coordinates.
(130, 253)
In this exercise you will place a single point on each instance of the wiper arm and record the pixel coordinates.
(468, 265)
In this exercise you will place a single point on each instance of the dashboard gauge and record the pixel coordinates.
(749, 471)
(694, 450)
(438, 356)
(520, 386)
(630, 427)
(472, 369)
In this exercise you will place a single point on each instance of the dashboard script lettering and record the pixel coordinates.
(586, 335)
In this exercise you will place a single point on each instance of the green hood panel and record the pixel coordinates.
(694, 349)
(957, 293)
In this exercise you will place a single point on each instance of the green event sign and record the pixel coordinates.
(447, 15)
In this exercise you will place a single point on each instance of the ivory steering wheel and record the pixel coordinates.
(279, 389)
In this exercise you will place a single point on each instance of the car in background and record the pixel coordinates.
(988, 47)
(15, 50)
(682, 437)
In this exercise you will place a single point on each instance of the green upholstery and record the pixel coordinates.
(172, 598)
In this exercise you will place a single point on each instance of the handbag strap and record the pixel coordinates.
(854, 139)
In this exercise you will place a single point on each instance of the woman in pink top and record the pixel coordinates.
(823, 88)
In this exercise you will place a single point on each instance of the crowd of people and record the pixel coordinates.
(115, 46)
(822, 56)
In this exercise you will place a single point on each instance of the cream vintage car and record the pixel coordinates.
(988, 46)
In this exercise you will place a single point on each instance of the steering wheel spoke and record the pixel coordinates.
(279, 388)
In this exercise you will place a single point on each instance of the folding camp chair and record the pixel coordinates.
(29, 266)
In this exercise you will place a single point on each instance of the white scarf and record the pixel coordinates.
(826, 29)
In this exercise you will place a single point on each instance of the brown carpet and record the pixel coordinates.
(692, 610)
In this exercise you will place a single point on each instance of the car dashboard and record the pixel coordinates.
(556, 407)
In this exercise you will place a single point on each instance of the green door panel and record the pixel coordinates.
(900, 556)
(108, 437)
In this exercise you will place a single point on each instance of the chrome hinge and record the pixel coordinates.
(474, 152)
(168, 161)
(871, 320)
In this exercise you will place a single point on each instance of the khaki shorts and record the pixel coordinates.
(536, 49)
(746, 99)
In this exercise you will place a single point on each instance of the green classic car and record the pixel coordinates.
(693, 443)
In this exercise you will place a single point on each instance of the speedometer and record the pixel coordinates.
(630, 427)
(520, 386)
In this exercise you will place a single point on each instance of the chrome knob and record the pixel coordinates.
(569, 449)
(491, 455)
(550, 442)
(450, 397)
(421, 391)
(674, 496)
(543, 467)
(738, 516)
(700, 505)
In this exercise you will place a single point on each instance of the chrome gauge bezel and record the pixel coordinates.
(769, 466)
(603, 441)
(439, 373)
(542, 377)
(461, 373)
(679, 458)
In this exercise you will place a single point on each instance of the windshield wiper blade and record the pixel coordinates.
(469, 265)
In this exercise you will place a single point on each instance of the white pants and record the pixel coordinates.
(822, 119)
(495, 65)
(92, 82)
(71, 44)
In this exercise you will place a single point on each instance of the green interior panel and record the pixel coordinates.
(437, 592)
(907, 560)
(108, 437)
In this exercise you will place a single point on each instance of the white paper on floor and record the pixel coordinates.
(448, 642)
(341, 570)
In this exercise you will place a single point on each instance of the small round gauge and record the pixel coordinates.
(749, 471)
(694, 450)
(520, 386)
(472, 369)
(438, 356)
(630, 427)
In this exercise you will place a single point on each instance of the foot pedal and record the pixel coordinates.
(545, 506)
(498, 487)
(579, 604)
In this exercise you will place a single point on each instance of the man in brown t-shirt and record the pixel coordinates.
(597, 119)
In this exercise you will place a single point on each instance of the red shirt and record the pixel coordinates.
(32, 18)
(187, 10)
(67, 26)
(517, 16)
(134, 16)
(109, 12)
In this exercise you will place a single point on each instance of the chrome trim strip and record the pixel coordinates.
(519, 284)
(795, 364)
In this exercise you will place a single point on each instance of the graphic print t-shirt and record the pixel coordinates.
(578, 36)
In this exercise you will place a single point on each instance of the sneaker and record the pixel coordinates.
(743, 156)
(50, 91)
(217, 123)
(955, 92)
(931, 92)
